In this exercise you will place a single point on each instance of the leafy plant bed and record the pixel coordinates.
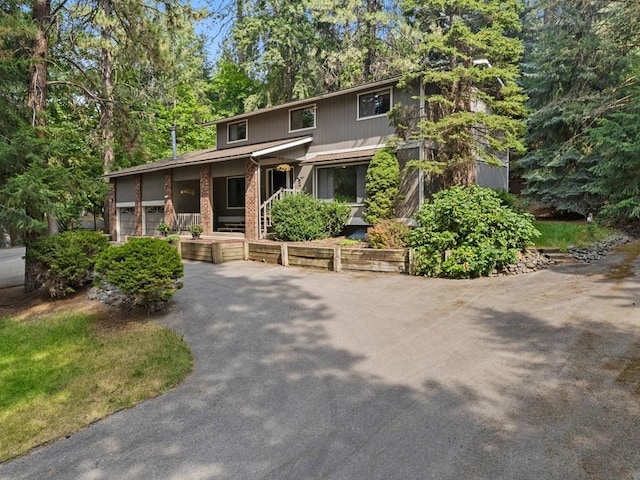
(66, 369)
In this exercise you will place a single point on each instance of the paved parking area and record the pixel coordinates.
(11, 267)
(302, 374)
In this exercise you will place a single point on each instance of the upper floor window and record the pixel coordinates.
(302, 118)
(373, 104)
(237, 131)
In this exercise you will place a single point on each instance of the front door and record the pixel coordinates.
(277, 179)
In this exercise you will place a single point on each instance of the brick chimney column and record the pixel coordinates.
(251, 201)
(169, 211)
(205, 199)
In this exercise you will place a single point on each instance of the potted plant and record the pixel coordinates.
(164, 228)
(195, 230)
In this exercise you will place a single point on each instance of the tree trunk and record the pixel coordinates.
(107, 117)
(37, 102)
(37, 94)
(371, 35)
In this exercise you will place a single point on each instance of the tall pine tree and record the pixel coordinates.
(467, 59)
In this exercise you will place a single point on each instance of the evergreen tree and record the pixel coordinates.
(577, 61)
(616, 160)
(468, 61)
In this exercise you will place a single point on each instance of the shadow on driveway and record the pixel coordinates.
(308, 375)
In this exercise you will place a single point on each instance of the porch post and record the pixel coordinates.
(138, 205)
(251, 201)
(169, 211)
(111, 213)
(205, 199)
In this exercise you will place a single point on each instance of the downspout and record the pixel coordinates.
(259, 215)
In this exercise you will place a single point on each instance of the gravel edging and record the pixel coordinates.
(598, 250)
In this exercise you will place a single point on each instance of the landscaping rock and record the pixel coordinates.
(530, 261)
(597, 250)
(111, 295)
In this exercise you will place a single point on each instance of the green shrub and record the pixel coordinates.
(512, 201)
(388, 233)
(336, 216)
(65, 261)
(145, 269)
(301, 217)
(382, 186)
(466, 232)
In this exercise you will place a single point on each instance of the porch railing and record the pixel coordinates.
(265, 209)
(182, 221)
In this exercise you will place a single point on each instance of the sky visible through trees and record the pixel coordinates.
(92, 86)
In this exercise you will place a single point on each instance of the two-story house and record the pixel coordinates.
(320, 145)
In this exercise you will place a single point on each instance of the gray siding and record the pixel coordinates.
(232, 168)
(186, 173)
(337, 126)
(409, 197)
(126, 189)
(153, 186)
(492, 177)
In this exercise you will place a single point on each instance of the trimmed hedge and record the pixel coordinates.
(300, 217)
(145, 269)
(65, 261)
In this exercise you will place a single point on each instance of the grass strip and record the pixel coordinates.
(61, 373)
(562, 235)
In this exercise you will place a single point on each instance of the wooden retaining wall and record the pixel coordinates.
(316, 257)
(373, 260)
(265, 252)
(196, 250)
(326, 258)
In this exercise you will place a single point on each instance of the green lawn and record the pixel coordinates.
(60, 373)
(558, 234)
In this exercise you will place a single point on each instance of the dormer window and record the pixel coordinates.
(374, 104)
(237, 132)
(302, 118)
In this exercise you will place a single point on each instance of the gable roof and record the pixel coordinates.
(213, 156)
(304, 101)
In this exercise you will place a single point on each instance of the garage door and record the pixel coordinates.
(154, 216)
(127, 222)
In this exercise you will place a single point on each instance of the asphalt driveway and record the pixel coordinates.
(11, 267)
(307, 375)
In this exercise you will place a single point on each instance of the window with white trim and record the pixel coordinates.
(342, 183)
(237, 131)
(374, 104)
(302, 118)
(235, 192)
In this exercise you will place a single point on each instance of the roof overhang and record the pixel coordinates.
(279, 148)
(203, 157)
(342, 157)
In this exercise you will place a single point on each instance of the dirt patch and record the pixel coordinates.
(16, 303)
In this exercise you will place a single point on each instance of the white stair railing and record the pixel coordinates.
(265, 209)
